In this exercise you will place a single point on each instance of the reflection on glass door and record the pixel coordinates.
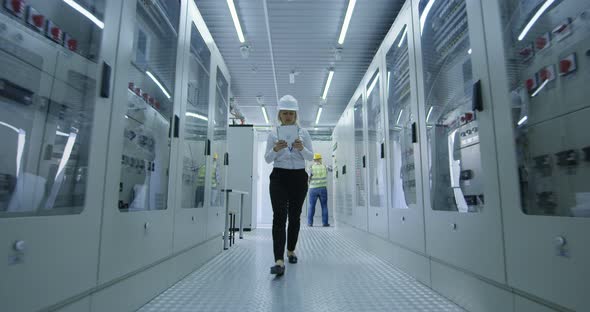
(194, 165)
(547, 50)
(152, 69)
(48, 70)
(376, 166)
(218, 169)
(452, 126)
(401, 147)
(359, 154)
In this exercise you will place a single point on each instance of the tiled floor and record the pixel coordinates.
(333, 274)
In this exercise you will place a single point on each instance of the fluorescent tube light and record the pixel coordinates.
(85, 12)
(159, 84)
(197, 116)
(328, 82)
(401, 41)
(351, 4)
(234, 16)
(373, 83)
(317, 119)
(533, 20)
(469, 51)
(388, 77)
(425, 14)
(523, 120)
(399, 116)
(429, 112)
(264, 113)
(540, 88)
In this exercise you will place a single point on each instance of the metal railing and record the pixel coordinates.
(227, 215)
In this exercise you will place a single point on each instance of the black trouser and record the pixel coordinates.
(288, 189)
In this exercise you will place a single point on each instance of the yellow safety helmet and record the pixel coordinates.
(214, 155)
(317, 156)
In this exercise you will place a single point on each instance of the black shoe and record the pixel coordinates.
(326, 225)
(292, 259)
(279, 270)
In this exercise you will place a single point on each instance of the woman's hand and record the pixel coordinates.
(298, 144)
(279, 145)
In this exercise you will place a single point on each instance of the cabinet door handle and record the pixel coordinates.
(382, 150)
(226, 159)
(105, 83)
(176, 125)
(208, 148)
(477, 100)
(364, 161)
(414, 133)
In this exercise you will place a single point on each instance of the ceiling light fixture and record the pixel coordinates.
(234, 16)
(425, 14)
(401, 40)
(264, 113)
(197, 116)
(399, 116)
(85, 12)
(372, 85)
(351, 4)
(328, 82)
(158, 83)
(317, 119)
(533, 20)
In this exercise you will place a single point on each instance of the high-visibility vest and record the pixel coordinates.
(201, 176)
(319, 175)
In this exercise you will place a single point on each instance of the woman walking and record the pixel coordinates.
(288, 182)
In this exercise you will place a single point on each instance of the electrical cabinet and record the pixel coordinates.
(376, 172)
(462, 207)
(54, 101)
(542, 115)
(406, 206)
(360, 210)
(190, 222)
(242, 172)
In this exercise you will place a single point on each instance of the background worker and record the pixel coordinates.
(318, 180)
(288, 182)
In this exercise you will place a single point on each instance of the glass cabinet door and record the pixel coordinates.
(196, 124)
(146, 151)
(401, 147)
(376, 165)
(219, 149)
(456, 177)
(547, 50)
(48, 88)
(359, 154)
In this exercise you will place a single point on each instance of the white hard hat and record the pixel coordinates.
(289, 103)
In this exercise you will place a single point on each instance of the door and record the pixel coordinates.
(463, 218)
(360, 166)
(190, 222)
(376, 166)
(137, 210)
(406, 208)
(56, 61)
(542, 117)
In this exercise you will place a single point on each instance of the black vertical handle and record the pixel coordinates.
(208, 148)
(382, 150)
(105, 83)
(364, 161)
(414, 133)
(176, 125)
(477, 100)
(344, 169)
(226, 159)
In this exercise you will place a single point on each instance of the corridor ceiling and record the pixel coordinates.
(301, 37)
